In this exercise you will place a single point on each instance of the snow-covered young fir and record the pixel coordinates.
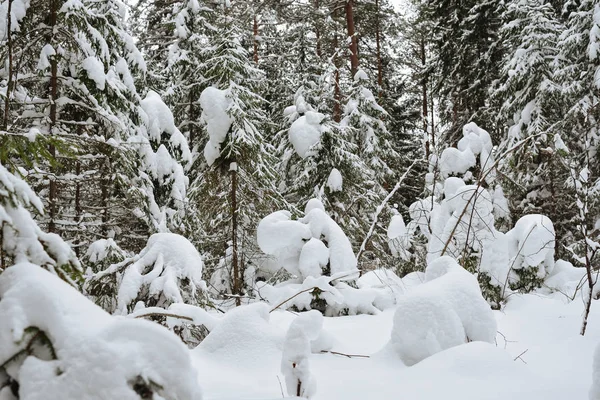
(345, 199)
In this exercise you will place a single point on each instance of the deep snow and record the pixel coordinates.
(539, 354)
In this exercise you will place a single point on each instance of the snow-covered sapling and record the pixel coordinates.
(296, 352)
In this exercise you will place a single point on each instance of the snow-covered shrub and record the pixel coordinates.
(99, 256)
(56, 344)
(22, 239)
(521, 259)
(446, 311)
(295, 366)
(313, 245)
(244, 334)
(168, 270)
(457, 216)
(315, 250)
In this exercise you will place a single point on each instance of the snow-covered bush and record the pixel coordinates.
(458, 215)
(446, 311)
(313, 245)
(22, 240)
(315, 250)
(168, 270)
(295, 366)
(56, 344)
(520, 260)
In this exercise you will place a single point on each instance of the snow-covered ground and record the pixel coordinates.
(539, 354)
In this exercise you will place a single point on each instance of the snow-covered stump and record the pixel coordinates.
(295, 366)
(446, 311)
(56, 344)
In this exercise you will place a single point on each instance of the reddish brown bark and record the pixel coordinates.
(349, 9)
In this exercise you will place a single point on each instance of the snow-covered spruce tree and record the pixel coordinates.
(164, 156)
(577, 74)
(237, 185)
(325, 164)
(467, 56)
(364, 118)
(529, 101)
(21, 239)
(173, 38)
(76, 83)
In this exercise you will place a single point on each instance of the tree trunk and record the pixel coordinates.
(10, 64)
(337, 94)
(255, 30)
(352, 34)
(237, 281)
(53, 91)
(318, 31)
(378, 49)
(425, 113)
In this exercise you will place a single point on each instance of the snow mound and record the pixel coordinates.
(215, 103)
(244, 335)
(124, 356)
(444, 312)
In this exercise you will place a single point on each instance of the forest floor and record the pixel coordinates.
(539, 354)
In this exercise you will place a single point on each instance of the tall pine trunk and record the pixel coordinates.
(378, 50)
(53, 92)
(237, 278)
(349, 9)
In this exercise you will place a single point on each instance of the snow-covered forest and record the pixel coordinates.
(318, 199)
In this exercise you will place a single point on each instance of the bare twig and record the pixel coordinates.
(344, 354)
(519, 356)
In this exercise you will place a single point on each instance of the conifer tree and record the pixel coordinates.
(237, 185)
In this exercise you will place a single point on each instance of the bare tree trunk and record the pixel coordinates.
(77, 199)
(10, 64)
(255, 30)
(53, 189)
(588, 298)
(105, 181)
(378, 49)
(237, 284)
(352, 34)
(318, 31)
(425, 113)
(337, 94)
